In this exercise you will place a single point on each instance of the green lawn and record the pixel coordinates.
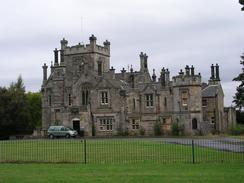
(109, 151)
(125, 173)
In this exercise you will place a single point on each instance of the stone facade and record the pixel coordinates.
(85, 93)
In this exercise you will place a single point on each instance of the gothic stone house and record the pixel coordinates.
(85, 93)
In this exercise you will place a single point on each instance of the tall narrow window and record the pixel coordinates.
(50, 100)
(165, 101)
(99, 68)
(194, 124)
(149, 100)
(85, 97)
(104, 97)
(134, 103)
(184, 98)
(70, 101)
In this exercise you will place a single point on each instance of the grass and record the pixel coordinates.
(107, 151)
(133, 173)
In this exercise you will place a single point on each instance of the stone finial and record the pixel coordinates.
(123, 70)
(106, 43)
(181, 72)
(112, 69)
(92, 38)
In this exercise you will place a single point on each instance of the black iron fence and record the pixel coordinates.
(122, 150)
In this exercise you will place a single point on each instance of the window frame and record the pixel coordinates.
(104, 97)
(149, 100)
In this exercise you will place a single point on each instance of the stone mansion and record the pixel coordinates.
(85, 93)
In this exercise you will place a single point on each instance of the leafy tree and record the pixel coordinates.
(34, 107)
(14, 111)
(239, 95)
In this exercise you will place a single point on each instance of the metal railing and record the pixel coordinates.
(122, 150)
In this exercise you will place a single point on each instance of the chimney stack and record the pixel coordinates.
(55, 57)
(44, 67)
(192, 71)
(217, 72)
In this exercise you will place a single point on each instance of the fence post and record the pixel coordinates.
(193, 153)
(84, 150)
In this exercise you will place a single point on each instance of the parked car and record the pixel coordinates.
(61, 131)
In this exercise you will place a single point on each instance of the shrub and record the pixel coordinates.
(142, 131)
(237, 130)
(177, 129)
(157, 129)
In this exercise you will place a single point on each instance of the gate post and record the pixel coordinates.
(193, 153)
(84, 150)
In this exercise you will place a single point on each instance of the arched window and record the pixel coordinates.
(194, 124)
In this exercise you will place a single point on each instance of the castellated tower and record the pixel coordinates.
(187, 100)
(66, 92)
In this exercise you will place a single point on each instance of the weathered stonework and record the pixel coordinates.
(85, 93)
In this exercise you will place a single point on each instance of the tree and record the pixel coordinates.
(34, 107)
(239, 95)
(14, 111)
(242, 3)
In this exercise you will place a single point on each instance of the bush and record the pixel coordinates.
(142, 131)
(237, 130)
(157, 129)
(177, 129)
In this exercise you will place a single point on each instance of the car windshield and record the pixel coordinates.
(69, 128)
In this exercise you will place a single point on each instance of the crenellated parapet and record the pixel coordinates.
(87, 48)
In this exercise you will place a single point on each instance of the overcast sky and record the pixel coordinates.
(173, 33)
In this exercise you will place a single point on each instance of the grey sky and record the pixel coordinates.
(172, 32)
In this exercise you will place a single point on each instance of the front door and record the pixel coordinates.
(76, 125)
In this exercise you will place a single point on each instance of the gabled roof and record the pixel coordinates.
(211, 90)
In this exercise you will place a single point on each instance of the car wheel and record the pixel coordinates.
(51, 136)
(67, 136)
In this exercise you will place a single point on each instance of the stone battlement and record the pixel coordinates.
(86, 48)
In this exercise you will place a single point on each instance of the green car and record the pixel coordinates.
(61, 131)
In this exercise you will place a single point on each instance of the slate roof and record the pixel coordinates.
(210, 91)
